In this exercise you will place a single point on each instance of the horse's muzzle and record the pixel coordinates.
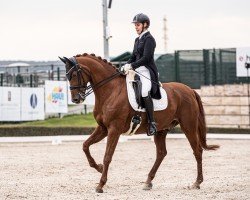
(78, 99)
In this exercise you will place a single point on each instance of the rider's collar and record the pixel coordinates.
(142, 33)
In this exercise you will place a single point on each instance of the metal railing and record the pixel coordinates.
(30, 76)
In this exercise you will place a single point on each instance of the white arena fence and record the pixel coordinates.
(226, 106)
(28, 104)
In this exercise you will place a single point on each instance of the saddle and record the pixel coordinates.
(134, 89)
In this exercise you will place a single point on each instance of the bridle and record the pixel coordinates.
(76, 67)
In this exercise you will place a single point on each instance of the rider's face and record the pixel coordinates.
(138, 28)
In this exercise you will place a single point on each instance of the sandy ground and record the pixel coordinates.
(45, 171)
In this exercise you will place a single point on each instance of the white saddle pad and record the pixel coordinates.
(160, 104)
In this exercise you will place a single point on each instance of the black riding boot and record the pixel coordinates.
(150, 114)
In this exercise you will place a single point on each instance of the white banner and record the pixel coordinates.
(10, 105)
(32, 104)
(69, 95)
(90, 100)
(242, 57)
(56, 97)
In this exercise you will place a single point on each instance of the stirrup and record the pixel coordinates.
(153, 125)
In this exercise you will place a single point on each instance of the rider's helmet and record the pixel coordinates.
(141, 18)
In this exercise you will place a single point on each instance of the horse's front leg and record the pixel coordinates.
(113, 137)
(98, 134)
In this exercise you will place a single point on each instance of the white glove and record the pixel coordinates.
(125, 68)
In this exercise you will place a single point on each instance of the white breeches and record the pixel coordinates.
(146, 83)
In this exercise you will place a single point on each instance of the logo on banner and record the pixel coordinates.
(57, 95)
(9, 95)
(33, 101)
(246, 59)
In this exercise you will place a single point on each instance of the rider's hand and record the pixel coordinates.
(125, 68)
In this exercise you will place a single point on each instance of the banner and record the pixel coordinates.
(56, 97)
(10, 105)
(32, 106)
(90, 100)
(242, 57)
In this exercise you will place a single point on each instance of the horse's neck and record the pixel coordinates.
(100, 73)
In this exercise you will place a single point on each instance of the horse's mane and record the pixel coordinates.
(97, 58)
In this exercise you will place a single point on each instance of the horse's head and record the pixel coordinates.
(78, 77)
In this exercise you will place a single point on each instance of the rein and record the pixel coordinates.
(97, 85)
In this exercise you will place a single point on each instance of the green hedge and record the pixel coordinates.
(44, 131)
(48, 131)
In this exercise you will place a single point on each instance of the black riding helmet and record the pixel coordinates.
(141, 18)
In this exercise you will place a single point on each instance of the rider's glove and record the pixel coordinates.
(125, 68)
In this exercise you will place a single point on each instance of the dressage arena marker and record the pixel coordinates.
(56, 140)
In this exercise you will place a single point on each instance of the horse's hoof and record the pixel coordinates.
(99, 190)
(147, 186)
(194, 186)
(100, 168)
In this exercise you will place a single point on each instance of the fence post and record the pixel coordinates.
(48, 74)
(52, 72)
(85, 109)
(14, 80)
(1, 82)
(58, 73)
(177, 66)
(221, 68)
(214, 72)
(205, 66)
(31, 80)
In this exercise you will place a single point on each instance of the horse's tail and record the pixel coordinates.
(202, 130)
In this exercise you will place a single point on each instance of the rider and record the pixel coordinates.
(142, 61)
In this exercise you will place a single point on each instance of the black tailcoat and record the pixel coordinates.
(143, 55)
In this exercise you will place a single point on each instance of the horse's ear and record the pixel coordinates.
(68, 60)
(62, 59)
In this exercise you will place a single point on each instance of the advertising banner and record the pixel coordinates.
(10, 105)
(32, 106)
(242, 57)
(56, 97)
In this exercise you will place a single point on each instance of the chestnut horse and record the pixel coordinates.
(113, 113)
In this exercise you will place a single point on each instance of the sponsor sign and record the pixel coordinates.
(56, 97)
(32, 104)
(242, 57)
(10, 104)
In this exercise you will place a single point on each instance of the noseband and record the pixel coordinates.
(83, 84)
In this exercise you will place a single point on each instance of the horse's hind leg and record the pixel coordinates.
(191, 131)
(98, 134)
(161, 152)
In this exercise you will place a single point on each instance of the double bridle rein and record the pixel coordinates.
(80, 79)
